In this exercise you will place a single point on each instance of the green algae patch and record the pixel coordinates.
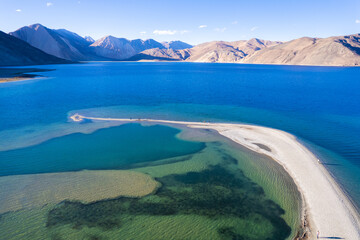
(213, 195)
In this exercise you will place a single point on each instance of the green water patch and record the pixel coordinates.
(272, 177)
(110, 148)
(218, 194)
(267, 173)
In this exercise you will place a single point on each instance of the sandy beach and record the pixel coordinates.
(325, 206)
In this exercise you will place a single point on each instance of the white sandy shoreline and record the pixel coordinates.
(327, 208)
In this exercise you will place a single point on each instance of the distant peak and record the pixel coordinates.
(106, 38)
(174, 41)
(36, 26)
(89, 39)
(109, 36)
(112, 39)
(176, 45)
(256, 40)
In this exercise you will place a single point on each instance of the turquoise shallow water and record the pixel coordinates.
(110, 148)
(210, 187)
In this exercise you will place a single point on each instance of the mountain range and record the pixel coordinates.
(68, 45)
(63, 44)
(332, 51)
(217, 51)
(15, 52)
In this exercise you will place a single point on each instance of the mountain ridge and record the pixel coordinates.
(331, 51)
(15, 52)
(214, 51)
(69, 45)
(48, 41)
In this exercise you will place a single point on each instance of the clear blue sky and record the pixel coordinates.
(192, 21)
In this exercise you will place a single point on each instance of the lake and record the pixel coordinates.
(317, 104)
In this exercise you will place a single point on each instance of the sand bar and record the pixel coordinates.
(19, 74)
(326, 208)
(14, 79)
(36, 190)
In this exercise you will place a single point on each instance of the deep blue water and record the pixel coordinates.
(318, 104)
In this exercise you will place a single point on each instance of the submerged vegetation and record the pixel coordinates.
(203, 195)
(215, 193)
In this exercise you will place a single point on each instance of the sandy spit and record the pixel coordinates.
(328, 210)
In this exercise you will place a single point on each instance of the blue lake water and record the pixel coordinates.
(320, 105)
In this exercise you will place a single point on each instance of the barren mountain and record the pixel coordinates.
(60, 43)
(142, 45)
(121, 48)
(162, 54)
(89, 39)
(253, 45)
(227, 51)
(112, 47)
(68, 45)
(176, 45)
(332, 51)
(217, 51)
(15, 52)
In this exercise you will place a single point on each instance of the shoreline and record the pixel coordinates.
(20, 74)
(271, 64)
(325, 206)
(20, 79)
(14, 79)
